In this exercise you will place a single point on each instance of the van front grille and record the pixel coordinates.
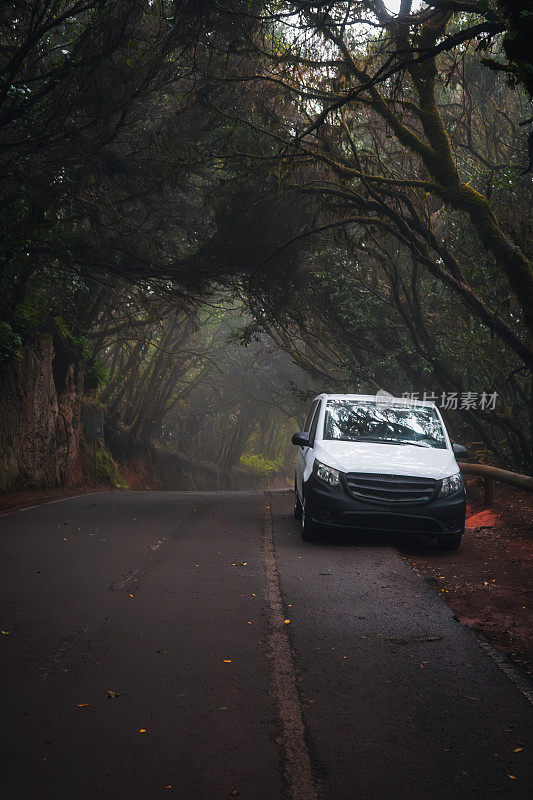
(390, 488)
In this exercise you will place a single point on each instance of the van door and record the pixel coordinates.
(305, 454)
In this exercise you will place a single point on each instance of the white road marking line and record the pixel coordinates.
(297, 764)
(156, 545)
(74, 497)
(49, 502)
(121, 582)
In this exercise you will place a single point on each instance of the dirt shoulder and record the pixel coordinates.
(488, 581)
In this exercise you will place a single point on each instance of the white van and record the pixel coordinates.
(378, 463)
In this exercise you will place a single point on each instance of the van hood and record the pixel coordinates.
(387, 459)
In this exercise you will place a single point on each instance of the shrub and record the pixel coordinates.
(259, 464)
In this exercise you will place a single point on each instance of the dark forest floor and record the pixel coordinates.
(488, 582)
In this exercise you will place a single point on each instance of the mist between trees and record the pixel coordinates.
(214, 210)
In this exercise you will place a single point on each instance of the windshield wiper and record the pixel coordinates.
(378, 441)
(390, 441)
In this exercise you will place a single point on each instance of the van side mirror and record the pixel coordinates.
(301, 439)
(459, 449)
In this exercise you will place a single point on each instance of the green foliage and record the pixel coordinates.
(28, 316)
(259, 464)
(99, 466)
(78, 346)
(96, 376)
(80, 350)
(10, 343)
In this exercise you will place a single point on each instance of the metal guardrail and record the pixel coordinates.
(492, 474)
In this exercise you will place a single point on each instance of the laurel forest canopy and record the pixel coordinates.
(215, 209)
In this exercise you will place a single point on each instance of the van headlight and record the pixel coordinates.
(451, 485)
(329, 475)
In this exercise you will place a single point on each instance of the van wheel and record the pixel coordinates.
(449, 542)
(307, 528)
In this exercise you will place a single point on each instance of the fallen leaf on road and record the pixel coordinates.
(111, 694)
(517, 749)
(513, 777)
(226, 660)
(5, 633)
(82, 705)
(131, 595)
(223, 708)
(234, 793)
(142, 730)
(286, 621)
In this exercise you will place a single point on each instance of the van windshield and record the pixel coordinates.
(368, 421)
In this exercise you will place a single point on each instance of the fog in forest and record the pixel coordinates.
(216, 210)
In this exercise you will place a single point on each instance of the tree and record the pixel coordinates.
(385, 148)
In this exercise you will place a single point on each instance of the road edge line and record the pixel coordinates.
(297, 762)
(505, 665)
(501, 660)
(57, 500)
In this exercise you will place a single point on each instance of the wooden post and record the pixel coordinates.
(489, 492)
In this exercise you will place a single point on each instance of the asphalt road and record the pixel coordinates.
(189, 645)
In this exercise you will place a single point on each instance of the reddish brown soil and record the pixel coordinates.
(488, 581)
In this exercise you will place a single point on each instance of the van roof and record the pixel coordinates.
(372, 398)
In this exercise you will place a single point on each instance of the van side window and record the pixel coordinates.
(307, 423)
(314, 424)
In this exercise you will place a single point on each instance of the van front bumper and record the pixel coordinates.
(335, 508)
